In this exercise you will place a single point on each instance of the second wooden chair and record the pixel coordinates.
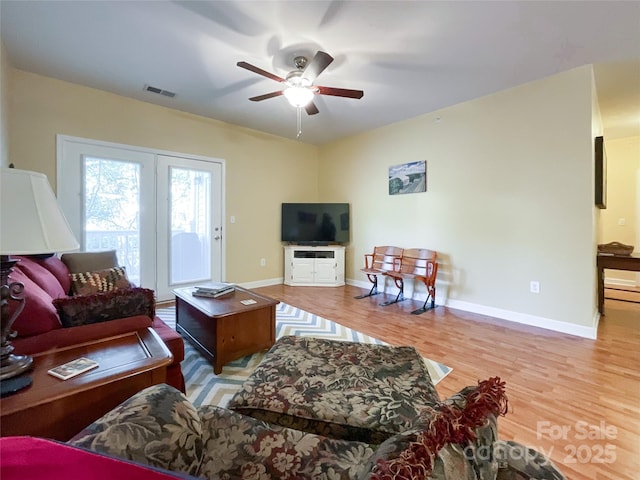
(416, 264)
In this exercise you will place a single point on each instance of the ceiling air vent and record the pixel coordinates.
(159, 91)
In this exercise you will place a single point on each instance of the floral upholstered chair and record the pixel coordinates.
(455, 439)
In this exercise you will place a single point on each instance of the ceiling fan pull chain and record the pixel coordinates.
(299, 121)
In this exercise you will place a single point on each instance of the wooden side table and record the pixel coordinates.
(615, 262)
(59, 409)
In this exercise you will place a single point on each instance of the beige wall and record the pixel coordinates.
(510, 186)
(623, 189)
(509, 200)
(262, 171)
(4, 106)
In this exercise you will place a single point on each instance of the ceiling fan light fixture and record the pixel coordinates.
(298, 87)
(298, 96)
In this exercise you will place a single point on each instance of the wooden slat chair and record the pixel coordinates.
(383, 259)
(416, 264)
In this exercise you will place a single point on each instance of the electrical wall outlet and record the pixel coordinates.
(263, 262)
(534, 286)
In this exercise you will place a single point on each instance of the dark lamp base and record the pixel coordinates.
(13, 385)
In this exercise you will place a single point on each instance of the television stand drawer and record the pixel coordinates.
(314, 254)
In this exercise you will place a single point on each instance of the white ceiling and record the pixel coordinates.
(410, 58)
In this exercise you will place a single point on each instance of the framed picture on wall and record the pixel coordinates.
(408, 178)
(600, 173)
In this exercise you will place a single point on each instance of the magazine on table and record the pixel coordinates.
(71, 369)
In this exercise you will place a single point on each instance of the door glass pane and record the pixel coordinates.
(112, 210)
(190, 208)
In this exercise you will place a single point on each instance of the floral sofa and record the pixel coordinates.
(454, 439)
(61, 309)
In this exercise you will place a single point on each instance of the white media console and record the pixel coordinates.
(321, 266)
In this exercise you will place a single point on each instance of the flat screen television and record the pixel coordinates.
(315, 223)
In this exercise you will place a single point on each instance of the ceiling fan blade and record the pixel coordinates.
(266, 96)
(340, 92)
(259, 71)
(311, 108)
(320, 61)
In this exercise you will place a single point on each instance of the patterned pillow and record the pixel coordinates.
(89, 261)
(107, 280)
(102, 307)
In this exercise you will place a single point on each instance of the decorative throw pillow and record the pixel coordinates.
(58, 269)
(102, 307)
(38, 315)
(42, 277)
(78, 262)
(99, 281)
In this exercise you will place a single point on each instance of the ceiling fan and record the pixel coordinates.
(299, 88)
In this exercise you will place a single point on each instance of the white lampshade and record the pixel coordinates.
(298, 96)
(31, 220)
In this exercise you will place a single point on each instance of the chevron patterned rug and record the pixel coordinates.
(206, 388)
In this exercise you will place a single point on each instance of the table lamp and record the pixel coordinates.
(31, 223)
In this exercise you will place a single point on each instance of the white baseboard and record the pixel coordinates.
(263, 283)
(526, 319)
(517, 317)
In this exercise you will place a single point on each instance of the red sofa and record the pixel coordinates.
(32, 458)
(39, 327)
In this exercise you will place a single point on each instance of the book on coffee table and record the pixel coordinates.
(213, 287)
(219, 293)
(71, 369)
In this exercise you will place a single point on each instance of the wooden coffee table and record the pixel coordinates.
(224, 329)
(59, 409)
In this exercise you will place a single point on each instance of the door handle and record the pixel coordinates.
(217, 237)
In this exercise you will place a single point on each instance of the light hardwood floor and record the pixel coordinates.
(575, 399)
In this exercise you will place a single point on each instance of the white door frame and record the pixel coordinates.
(67, 142)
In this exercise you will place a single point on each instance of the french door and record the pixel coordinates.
(189, 219)
(161, 212)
